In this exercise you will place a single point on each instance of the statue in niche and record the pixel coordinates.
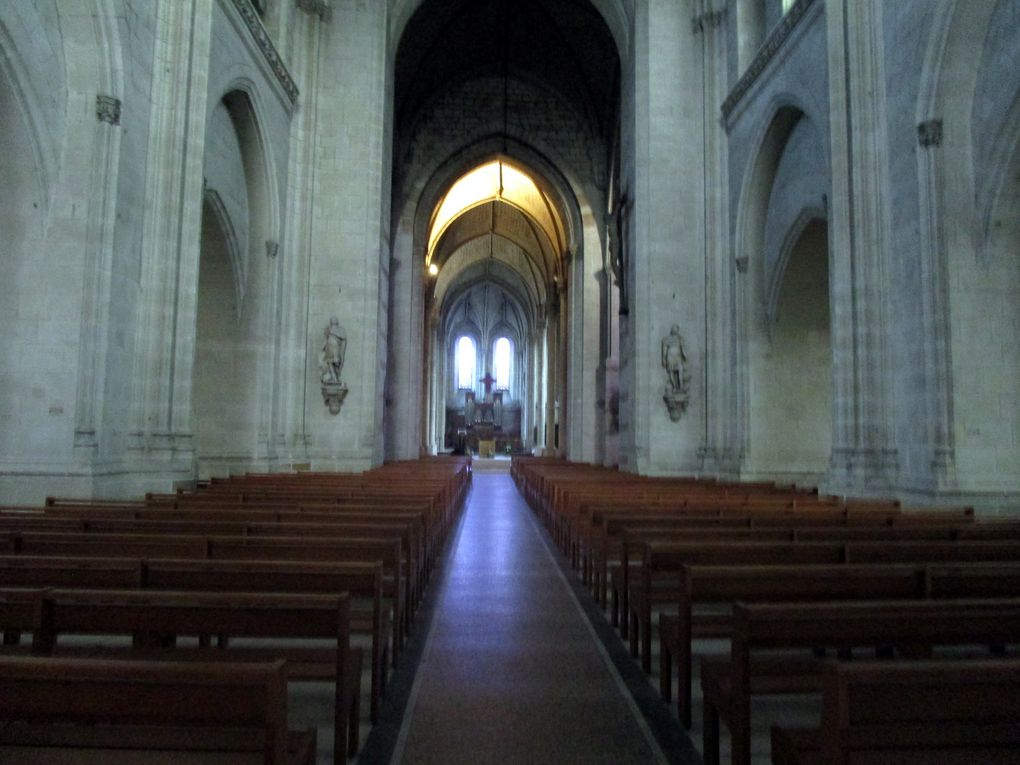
(469, 408)
(678, 379)
(331, 364)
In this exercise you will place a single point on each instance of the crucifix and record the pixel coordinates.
(487, 381)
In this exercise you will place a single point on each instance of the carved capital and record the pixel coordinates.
(929, 133)
(708, 19)
(318, 8)
(108, 109)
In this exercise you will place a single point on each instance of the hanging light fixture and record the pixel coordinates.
(506, 88)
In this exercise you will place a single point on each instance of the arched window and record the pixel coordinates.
(787, 5)
(465, 359)
(502, 360)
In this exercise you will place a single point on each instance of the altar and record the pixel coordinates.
(491, 423)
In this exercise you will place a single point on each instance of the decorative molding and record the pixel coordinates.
(318, 8)
(929, 133)
(766, 53)
(261, 37)
(108, 109)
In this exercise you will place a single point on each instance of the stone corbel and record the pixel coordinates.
(929, 133)
(108, 109)
(333, 395)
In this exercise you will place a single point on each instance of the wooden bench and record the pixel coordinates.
(196, 547)
(724, 585)
(721, 586)
(662, 561)
(85, 712)
(362, 581)
(954, 712)
(912, 628)
(155, 620)
(659, 574)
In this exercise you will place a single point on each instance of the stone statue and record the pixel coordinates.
(673, 359)
(331, 365)
(678, 380)
(331, 358)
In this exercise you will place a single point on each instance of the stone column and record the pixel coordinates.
(348, 237)
(663, 150)
(290, 432)
(863, 457)
(720, 449)
(170, 243)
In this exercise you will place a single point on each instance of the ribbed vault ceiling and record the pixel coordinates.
(563, 44)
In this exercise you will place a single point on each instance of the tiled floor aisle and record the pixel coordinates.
(512, 673)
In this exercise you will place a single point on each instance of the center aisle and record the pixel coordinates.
(512, 670)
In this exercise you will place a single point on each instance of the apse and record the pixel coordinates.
(494, 262)
(505, 123)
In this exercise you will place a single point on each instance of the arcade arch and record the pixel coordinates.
(495, 264)
(522, 98)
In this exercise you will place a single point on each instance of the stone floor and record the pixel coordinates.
(513, 668)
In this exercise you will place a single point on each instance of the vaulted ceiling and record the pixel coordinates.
(562, 44)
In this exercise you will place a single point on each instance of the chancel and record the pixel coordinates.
(404, 298)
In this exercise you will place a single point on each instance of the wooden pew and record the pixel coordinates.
(62, 711)
(363, 582)
(53, 571)
(724, 585)
(955, 712)
(154, 620)
(662, 562)
(333, 550)
(607, 541)
(667, 559)
(110, 545)
(911, 627)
